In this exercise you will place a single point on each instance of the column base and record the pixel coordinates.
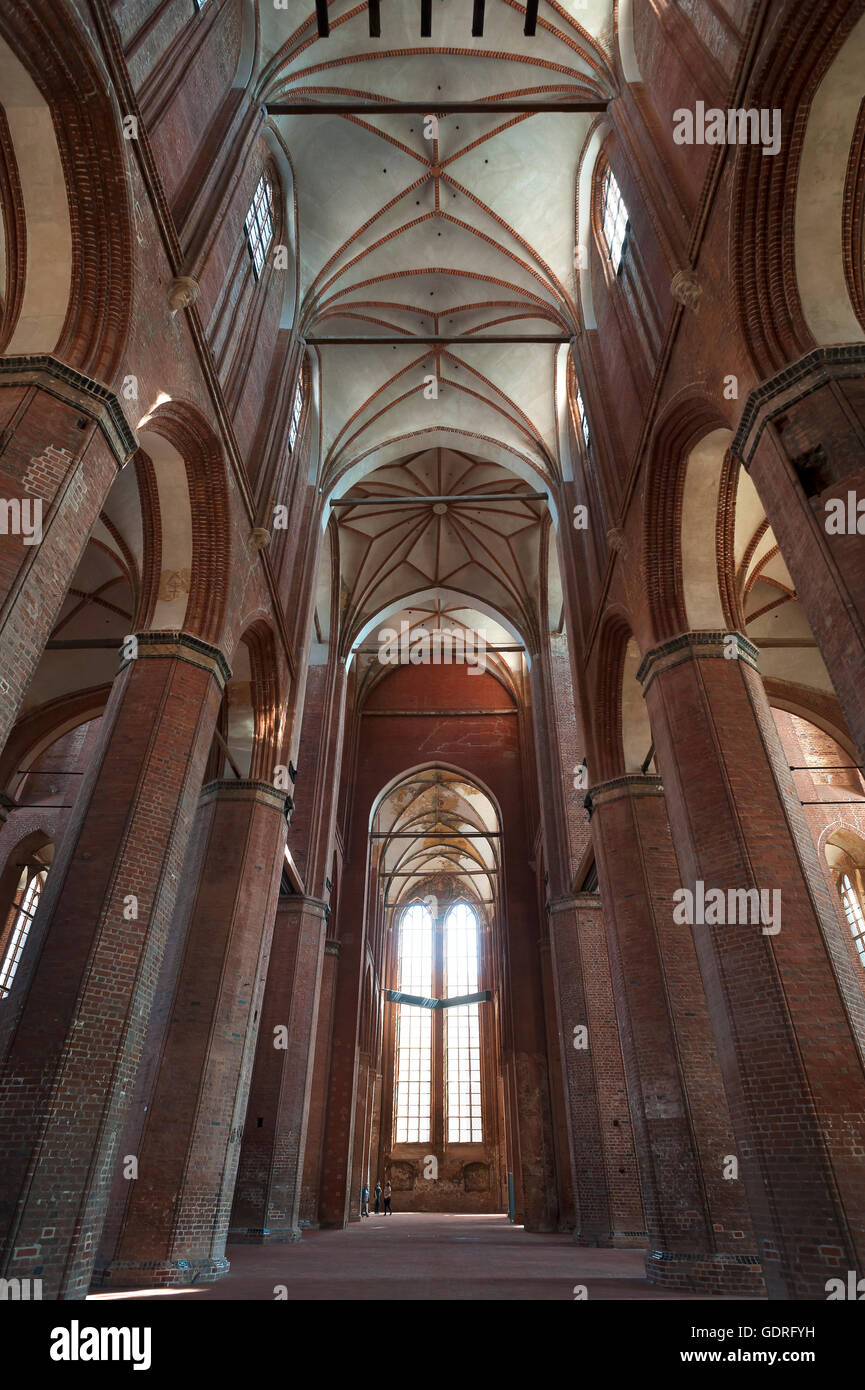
(710, 1273)
(159, 1274)
(268, 1235)
(611, 1240)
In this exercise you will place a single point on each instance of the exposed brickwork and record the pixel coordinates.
(176, 1218)
(143, 1035)
(74, 1032)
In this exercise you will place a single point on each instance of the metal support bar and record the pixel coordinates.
(435, 107)
(478, 20)
(426, 19)
(531, 18)
(323, 21)
(431, 632)
(374, 19)
(460, 873)
(435, 835)
(420, 340)
(444, 497)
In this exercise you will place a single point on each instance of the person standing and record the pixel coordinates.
(364, 1201)
(377, 1197)
(388, 1192)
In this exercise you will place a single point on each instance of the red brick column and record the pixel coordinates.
(779, 1001)
(802, 439)
(75, 1021)
(603, 1160)
(176, 1219)
(318, 1098)
(64, 439)
(267, 1195)
(699, 1229)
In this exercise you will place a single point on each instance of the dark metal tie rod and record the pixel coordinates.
(431, 108)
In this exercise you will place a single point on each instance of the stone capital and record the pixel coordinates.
(182, 646)
(797, 380)
(294, 904)
(632, 785)
(695, 646)
(245, 789)
(90, 398)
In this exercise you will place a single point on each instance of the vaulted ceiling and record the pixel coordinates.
(435, 826)
(413, 228)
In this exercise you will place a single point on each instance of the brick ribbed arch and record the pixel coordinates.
(201, 452)
(679, 431)
(763, 267)
(267, 699)
(46, 38)
(607, 754)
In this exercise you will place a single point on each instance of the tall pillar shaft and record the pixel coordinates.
(176, 1220)
(779, 990)
(318, 1099)
(609, 1209)
(699, 1228)
(64, 438)
(75, 1021)
(802, 439)
(268, 1190)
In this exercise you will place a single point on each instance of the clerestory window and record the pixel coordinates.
(853, 913)
(583, 418)
(24, 907)
(614, 220)
(259, 225)
(296, 413)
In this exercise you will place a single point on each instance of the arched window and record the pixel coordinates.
(462, 1028)
(414, 1028)
(296, 413)
(259, 224)
(853, 913)
(582, 416)
(438, 1088)
(614, 220)
(24, 907)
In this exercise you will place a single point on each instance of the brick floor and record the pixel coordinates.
(424, 1256)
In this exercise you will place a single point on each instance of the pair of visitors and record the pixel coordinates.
(383, 1195)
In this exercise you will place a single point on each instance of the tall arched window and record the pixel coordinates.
(853, 913)
(614, 220)
(296, 413)
(462, 1028)
(438, 1050)
(24, 907)
(259, 224)
(414, 1028)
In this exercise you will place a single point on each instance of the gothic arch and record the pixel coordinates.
(201, 537)
(684, 428)
(92, 337)
(765, 269)
(622, 737)
(42, 726)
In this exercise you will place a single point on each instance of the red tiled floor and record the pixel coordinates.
(424, 1256)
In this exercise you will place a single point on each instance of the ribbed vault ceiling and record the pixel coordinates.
(469, 232)
(437, 823)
